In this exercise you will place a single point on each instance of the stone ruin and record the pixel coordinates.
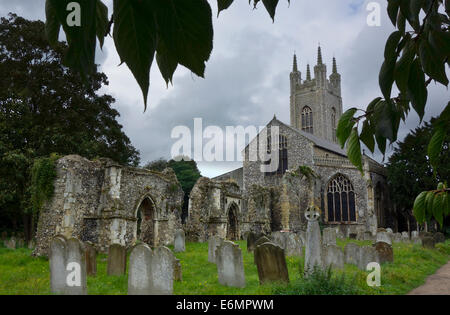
(106, 203)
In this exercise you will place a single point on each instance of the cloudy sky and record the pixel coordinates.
(247, 77)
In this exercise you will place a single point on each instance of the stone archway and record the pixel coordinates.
(233, 223)
(146, 215)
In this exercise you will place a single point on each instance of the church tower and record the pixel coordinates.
(316, 103)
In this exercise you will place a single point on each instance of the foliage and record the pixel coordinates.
(43, 175)
(320, 282)
(435, 203)
(416, 54)
(177, 32)
(409, 170)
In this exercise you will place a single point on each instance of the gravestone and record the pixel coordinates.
(139, 271)
(11, 243)
(76, 281)
(251, 240)
(31, 244)
(117, 260)
(302, 235)
(260, 241)
(293, 247)
(367, 254)
(383, 237)
(415, 238)
(339, 233)
(279, 238)
(384, 251)
(230, 265)
(389, 230)
(397, 238)
(368, 236)
(329, 236)
(271, 263)
(351, 254)
(213, 243)
(439, 237)
(333, 256)
(360, 235)
(177, 270)
(58, 259)
(428, 242)
(313, 246)
(91, 259)
(162, 270)
(180, 241)
(405, 237)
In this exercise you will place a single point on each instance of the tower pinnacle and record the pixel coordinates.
(319, 56)
(295, 67)
(308, 73)
(334, 65)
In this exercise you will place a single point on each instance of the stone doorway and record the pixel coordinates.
(146, 222)
(233, 223)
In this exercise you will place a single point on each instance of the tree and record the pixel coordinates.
(187, 174)
(409, 169)
(45, 108)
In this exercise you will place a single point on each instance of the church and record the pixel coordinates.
(248, 199)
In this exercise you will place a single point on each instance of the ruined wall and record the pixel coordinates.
(98, 201)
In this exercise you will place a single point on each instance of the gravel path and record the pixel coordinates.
(437, 284)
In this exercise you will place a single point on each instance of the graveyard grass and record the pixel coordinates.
(22, 274)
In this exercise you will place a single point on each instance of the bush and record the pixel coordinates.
(320, 282)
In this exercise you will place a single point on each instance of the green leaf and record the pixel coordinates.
(368, 136)
(419, 207)
(354, 150)
(438, 212)
(223, 5)
(429, 205)
(271, 7)
(102, 22)
(166, 62)
(52, 24)
(386, 77)
(403, 66)
(345, 126)
(185, 27)
(135, 38)
(435, 145)
(417, 90)
(393, 7)
(432, 66)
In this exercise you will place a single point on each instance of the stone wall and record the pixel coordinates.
(99, 201)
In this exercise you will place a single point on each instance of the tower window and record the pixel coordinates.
(307, 119)
(282, 158)
(341, 200)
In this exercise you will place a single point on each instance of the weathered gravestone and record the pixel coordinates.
(180, 241)
(351, 254)
(385, 252)
(333, 256)
(67, 267)
(271, 263)
(293, 247)
(230, 265)
(177, 270)
(251, 240)
(405, 237)
(368, 236)
(31, 244)
(11, 243)
(415, 238)
(139, 271)
(117, 260)
(91, 259)
(367, 255)
(329, 236)
(76, 268)
(213, 243)
(439, 237)
(261, 241)
(397, 237)
(313, 246)
(279, 238)
(162, 268)
(428, 242)
(383, 237)
(390, 231)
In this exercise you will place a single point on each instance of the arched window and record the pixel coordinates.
(341, 200)
(307, 119)
(333, 123)
(283, 155)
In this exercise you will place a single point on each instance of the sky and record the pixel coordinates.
(247, 77)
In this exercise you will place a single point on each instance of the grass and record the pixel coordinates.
(22, 274)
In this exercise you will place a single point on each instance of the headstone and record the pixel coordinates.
(11, 244)
(58, 259)
(139, 271)
(302, 235)
(368, 236)
(423, 234)
(360, 235)
(76, 279)
(213, 243)
(279, 238)
(397, 238)
(405, 237)
(91, 259)
(367, 254)
(329, 236)
(351, 254)
(439, 237)
(162, 269)
(383, 237)
(31, 244)
(117, 260)
(230, 265)
(293, 247)
(20, 243)
(333, 256)
(271, 263)
(177, 270)
(339, 233)
(261, 241)
(313, 246)
(389, 230)
(381, 230)
(179, 243)
(428, 242)
(385, 252)
(415, 234)
(415, 238)
(251, 240)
